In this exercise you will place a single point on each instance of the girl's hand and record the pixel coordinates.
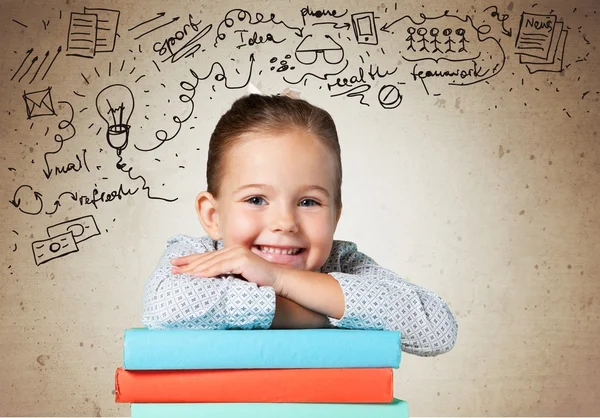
(233, 260)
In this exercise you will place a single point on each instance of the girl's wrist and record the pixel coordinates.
(289, 314)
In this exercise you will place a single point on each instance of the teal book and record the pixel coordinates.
(146, 349)
(396, 409)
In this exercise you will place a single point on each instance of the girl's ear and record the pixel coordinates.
(207, 210)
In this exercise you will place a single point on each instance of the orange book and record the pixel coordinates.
(368, 385)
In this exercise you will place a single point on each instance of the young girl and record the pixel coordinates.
(271, 208)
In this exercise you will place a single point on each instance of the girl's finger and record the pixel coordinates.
(189, 259)
(179, 261)
(215, 267)
(193, 265)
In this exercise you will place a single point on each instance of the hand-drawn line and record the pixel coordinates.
(15, 244)
(95, 198)
(242, 15)
(158, 16)
(97, 73)
(52, 248)
(501, 19)
(92, 32)
(82, 228)
(389, 97)
(189, 48)
(40, 66)
(255, 39)
(22, 24)
(29, 51)
(122, 166)
(335, 25)
(306, 11)
(437, 60)
(372, 72)
(140, 77)
(17, 199)
(557, 63)
(175, 19)
(39, 103)
(365, 30)
(75, 167)
(78, 94)
(307, 55)
(324, 77)
(58, 51)
(115, 104)
(283, 66)
(161, 135)
(86, 80)
(62, 125)
(33, 61)
(357, 91)
(156, 65)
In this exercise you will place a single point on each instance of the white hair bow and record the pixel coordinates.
(291, 93)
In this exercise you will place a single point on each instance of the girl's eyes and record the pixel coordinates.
(258, 201)
(255, 200)
(311, 202)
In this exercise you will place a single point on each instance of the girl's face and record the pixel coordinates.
(277, 197)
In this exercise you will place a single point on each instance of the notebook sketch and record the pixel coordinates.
(91, 32)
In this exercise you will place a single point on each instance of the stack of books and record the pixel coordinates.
(260, 373)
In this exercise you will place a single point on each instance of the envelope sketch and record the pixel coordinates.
(39, 103)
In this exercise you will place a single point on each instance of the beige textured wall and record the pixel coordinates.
(487, 193)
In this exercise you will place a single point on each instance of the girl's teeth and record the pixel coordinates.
(279, 251)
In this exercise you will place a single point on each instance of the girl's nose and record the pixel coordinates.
(285, 221)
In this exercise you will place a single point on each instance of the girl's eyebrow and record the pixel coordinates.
(303, 188)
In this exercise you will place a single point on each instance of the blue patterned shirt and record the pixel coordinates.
(375, 298)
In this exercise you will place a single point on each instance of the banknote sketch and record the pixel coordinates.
(63, 239)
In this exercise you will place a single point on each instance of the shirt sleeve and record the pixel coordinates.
(377, 298)
(186, 302)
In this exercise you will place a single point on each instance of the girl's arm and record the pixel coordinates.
(185, 302)
(358, 293)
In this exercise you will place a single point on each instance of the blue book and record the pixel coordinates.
(396, 409)
(146, 349)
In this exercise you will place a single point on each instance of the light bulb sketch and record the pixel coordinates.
(115, 105)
